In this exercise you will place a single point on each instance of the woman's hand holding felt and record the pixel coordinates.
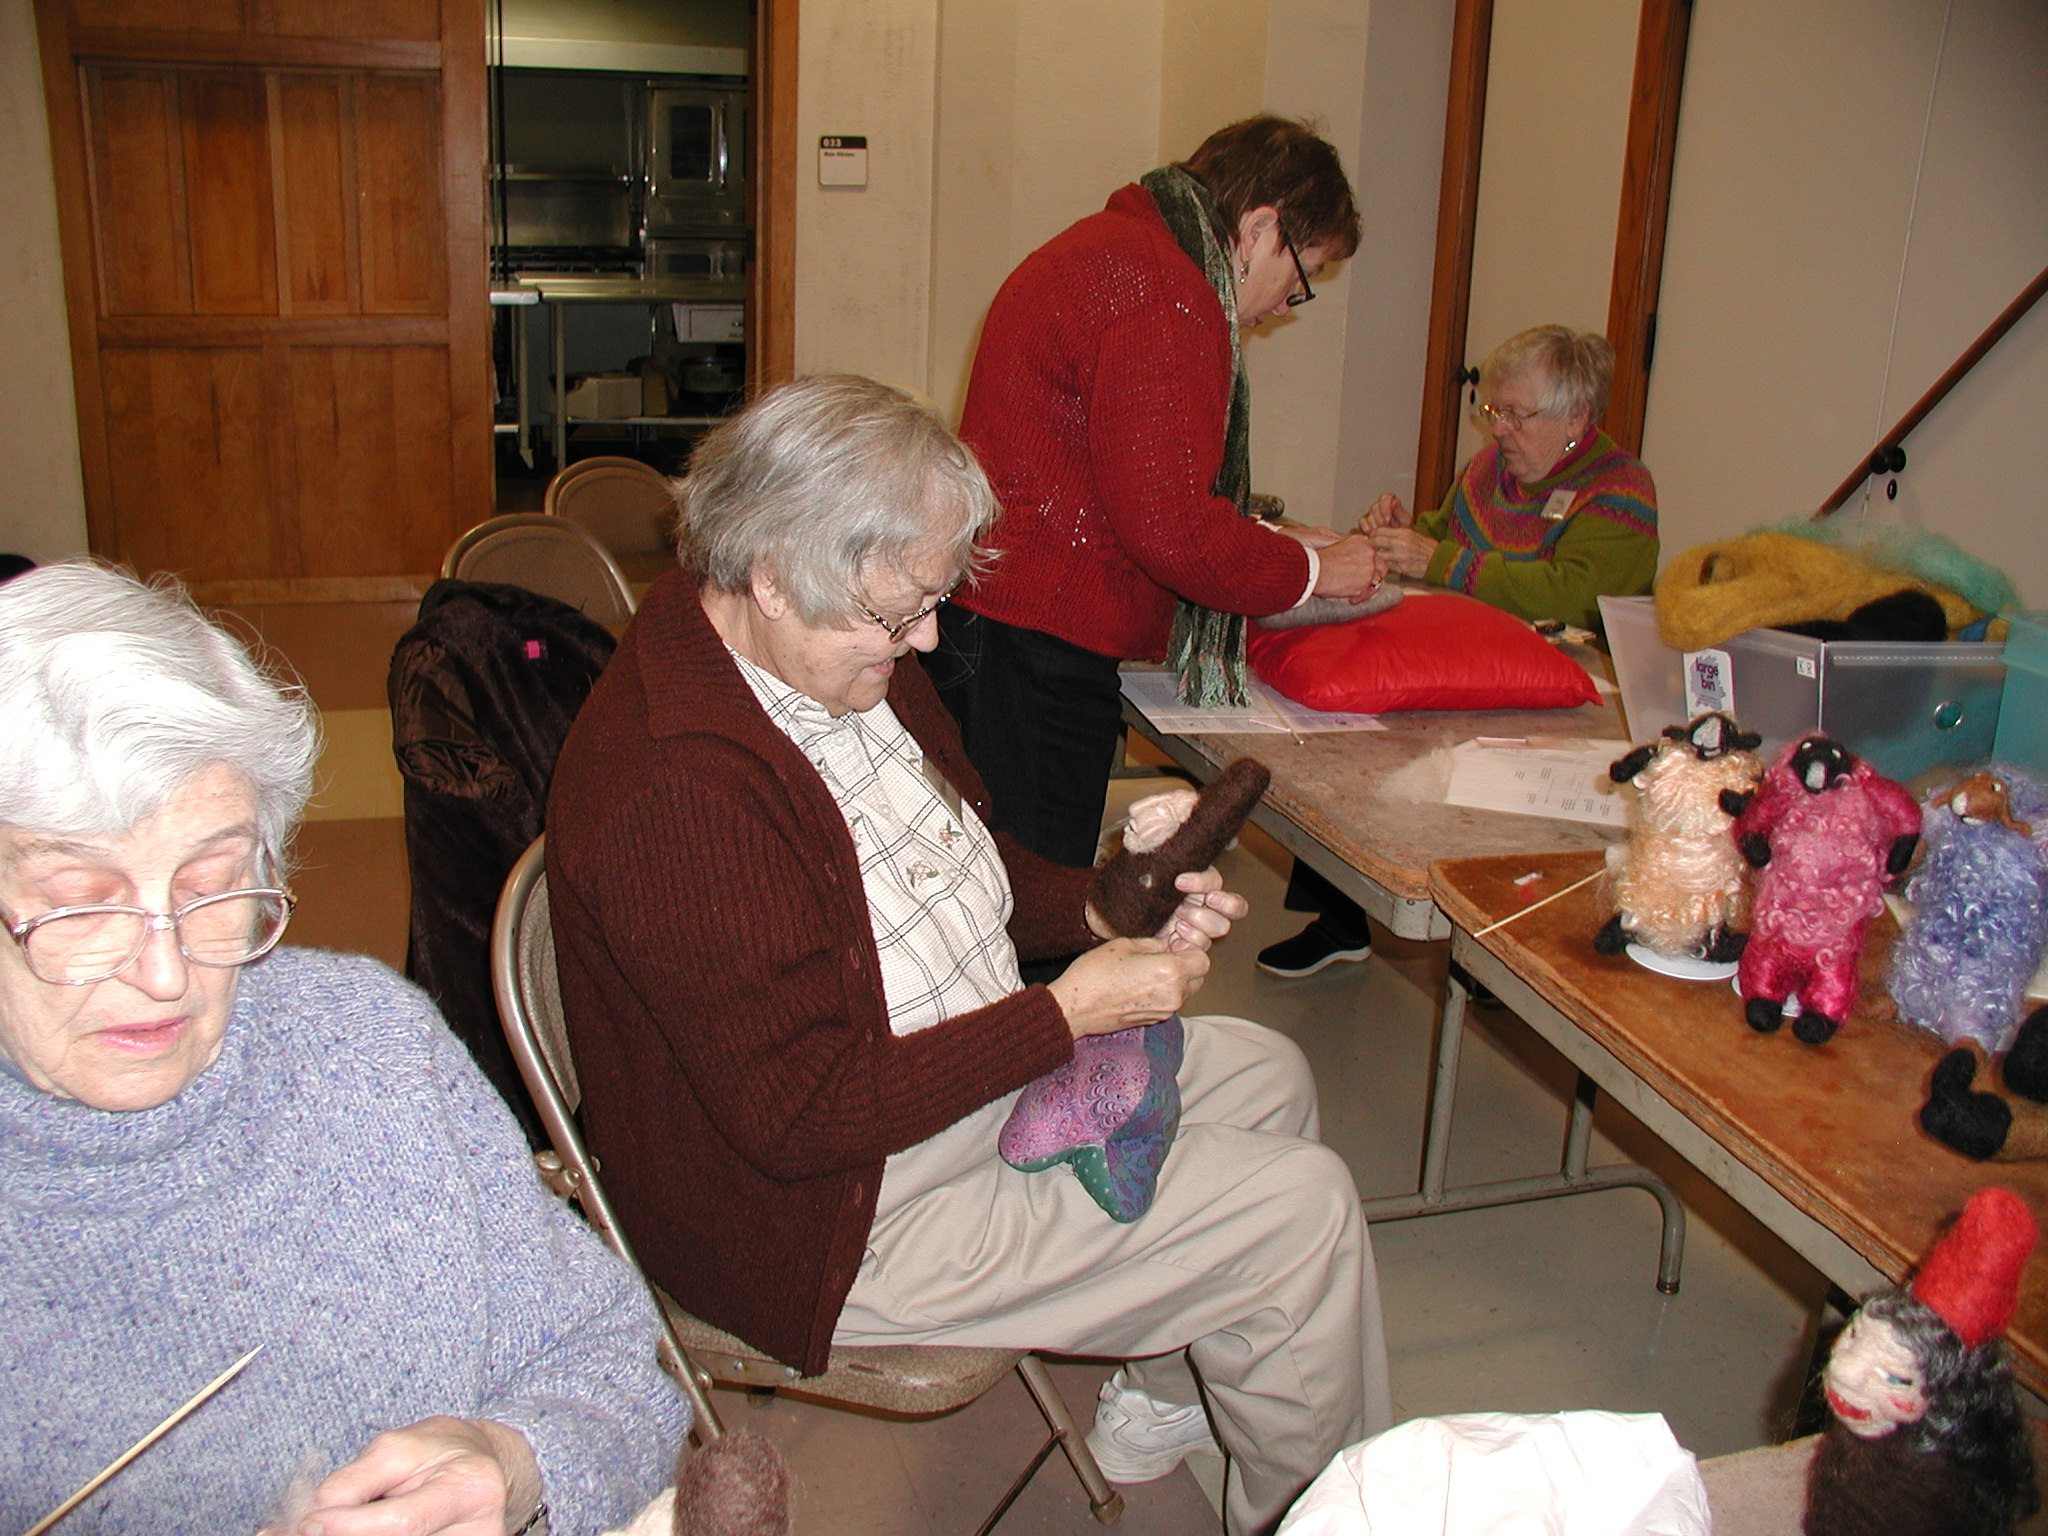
(1125, 983)
(1406, 552)
(1351, 569)
(1387, 511)
(439, 1477)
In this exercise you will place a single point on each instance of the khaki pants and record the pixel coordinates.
(1253, 1260)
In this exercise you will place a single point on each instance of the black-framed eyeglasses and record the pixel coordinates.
(77, 946)
(898, 628)
(1296, 300)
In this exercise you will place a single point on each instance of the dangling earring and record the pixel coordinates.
(1244, 268)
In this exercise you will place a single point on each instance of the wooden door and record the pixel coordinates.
(275, 266)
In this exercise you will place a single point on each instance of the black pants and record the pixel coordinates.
(1043, 722)
(1308, 891)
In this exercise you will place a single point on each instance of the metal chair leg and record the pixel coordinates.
(1105, 1501)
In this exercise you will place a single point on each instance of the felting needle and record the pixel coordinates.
(1546, 901)
(143, 1444)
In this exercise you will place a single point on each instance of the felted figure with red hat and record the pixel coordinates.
(1825, 833)
(1679, 886)
(1927, 1435)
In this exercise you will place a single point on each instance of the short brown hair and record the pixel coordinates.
(1279, 163)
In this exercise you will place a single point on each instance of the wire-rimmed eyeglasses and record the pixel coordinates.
(898, 628)
(77, 946)
(1296, 300)
(1504, 416)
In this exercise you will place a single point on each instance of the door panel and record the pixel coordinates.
(138, 192)
(277, 283)
(404, 232)
(227, 193)
(314, 138)
(192, 449)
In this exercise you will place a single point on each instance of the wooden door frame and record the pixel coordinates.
(771, 273)
(1638, 269)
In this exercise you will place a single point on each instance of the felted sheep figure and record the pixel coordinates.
(1825, 833)
(1980, 910)
(1679, 885)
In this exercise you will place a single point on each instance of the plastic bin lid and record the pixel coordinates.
(2026, 643)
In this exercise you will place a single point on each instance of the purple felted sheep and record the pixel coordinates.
(1980, 910)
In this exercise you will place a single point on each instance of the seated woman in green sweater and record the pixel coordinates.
(1544, 519)
(1552, 513)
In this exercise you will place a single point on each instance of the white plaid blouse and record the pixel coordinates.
(938, 897)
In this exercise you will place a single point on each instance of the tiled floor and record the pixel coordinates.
(1543, 1306)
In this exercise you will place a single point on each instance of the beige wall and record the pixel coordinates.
(1557, 98)
(1859, 189)
(1038, 111)
(42, 501)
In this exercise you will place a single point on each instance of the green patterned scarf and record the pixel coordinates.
(1208, 647)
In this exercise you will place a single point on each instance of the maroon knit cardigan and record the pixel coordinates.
(724, 995)
(1097, 405)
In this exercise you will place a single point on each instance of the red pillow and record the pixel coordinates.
(1433, 650)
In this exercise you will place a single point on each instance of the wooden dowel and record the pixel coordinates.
(1546, 901)
(143, 1444)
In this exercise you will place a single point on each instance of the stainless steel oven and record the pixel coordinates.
(696, 159)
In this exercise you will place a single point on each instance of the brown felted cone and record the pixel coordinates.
(737, 1485)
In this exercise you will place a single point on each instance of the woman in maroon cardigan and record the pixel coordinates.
(788, 951)
(1108, 405)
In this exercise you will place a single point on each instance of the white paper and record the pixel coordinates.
(1157, 696)
(1563, 779)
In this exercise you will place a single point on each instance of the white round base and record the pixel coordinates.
(1683, 967)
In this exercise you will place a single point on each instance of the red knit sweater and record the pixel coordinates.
(723, 990)
(1097, 404)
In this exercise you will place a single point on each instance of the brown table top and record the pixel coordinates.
(1832, 1128)
(1341, 789)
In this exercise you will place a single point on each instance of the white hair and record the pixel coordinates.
(821, 483)
(115, 693)
(1577, 368)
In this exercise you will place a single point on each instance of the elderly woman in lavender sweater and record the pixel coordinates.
(206, 1145)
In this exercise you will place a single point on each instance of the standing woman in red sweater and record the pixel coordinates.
(1108, 404)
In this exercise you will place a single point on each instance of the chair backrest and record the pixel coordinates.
(530, 1006)
(549, 555)
(623, 504)
(569, 472)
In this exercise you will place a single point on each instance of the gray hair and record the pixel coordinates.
(115, 693)
(821, 482)
(1580, 366)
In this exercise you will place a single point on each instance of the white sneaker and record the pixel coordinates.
(1137, 1438)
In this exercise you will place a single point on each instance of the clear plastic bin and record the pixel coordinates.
(2023, 719)
(1906, 706)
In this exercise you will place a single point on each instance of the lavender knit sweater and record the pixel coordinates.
(343, 1187)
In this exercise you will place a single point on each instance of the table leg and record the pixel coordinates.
(558, 345)
(1572, 1178)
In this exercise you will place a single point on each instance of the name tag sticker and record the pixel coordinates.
(1559, 507)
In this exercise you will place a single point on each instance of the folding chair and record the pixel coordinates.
(914, 1380)
(549, 555)
(625, 505)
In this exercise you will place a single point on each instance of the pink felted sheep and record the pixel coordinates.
(1825, 833)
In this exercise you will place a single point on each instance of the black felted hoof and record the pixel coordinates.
(1814, 1028)
(1974, 1124)
(1764, 1015)
(1611, 939)
(1728, 945)
(2025, 1068)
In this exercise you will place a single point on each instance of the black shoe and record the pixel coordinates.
(1311, 949)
